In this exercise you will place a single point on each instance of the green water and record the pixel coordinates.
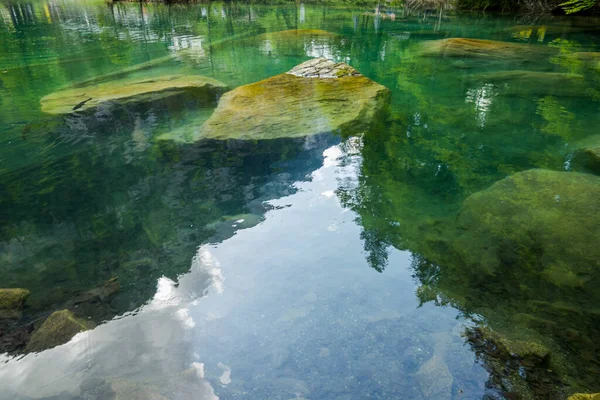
(325, 267)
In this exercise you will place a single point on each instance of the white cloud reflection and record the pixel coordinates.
(146, 345)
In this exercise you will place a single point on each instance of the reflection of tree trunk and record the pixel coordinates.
(438, 26)
(210, 59)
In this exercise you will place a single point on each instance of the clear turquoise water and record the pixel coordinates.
(314, 268)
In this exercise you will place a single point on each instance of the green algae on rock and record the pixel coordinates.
(295, 33)
(482, 49)
(11, 302)
(315, 97)
(57, 329)
(525, 82)
(586, 153)
(581, 396)
(129, 91)
(536, 218)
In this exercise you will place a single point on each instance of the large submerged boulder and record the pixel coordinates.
(539, 221)
(57, 329)
(315, 97)
(11, 302)
(482, 49)
(129, 91)
(525, 82)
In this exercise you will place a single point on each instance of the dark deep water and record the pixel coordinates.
(322, 267)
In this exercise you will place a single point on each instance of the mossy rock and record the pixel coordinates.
(581, 396)
(57, 329)
(590, 59)
(534, 83)
(522, 349)
(12, 301)
(292, 34)
(129, 390)
(129, 92)
(535, 224)
(482, 49)
(292, 105)
(587, 153)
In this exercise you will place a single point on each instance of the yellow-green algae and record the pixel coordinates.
(127, 91)
(526, 82)
(57, 329)
(481, 48)
(294, 106)
(11, 302)
(537, 217)
(581, 396)
(295, 33)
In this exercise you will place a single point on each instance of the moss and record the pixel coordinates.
(525, 82)
(57, 329)
(128, 91)
(538, 219)
(580, 396)
(293, 106)
(11, 302)
(484, 49)
(294, 33)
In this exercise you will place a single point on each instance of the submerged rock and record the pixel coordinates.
(434, 377)
(541, 220)
(11, 302)
(129, 390)
(581, 396)
(129, 91)
(587, 152)
(590, 59)
(57, 329)
(480, 48)
(315, 97)
(102, 293)
(296, 33)
(535, 82)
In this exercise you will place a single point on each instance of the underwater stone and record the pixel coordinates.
(129, 92)
(129, 390)
(526, 82)
(580, 396)
(57, 329)
(537, 221)
(479, 48)
(288, 105)
(587, 152)
(11, 302)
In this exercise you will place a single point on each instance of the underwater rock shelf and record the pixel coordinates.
(483, 49)
(129, 91)
(317, 96)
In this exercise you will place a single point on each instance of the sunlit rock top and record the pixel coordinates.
(323, 68)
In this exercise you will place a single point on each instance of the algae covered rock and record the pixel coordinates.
(129, 91)
(581, 396)
(482, 49)
(57, 329)
(536, 220)
(129, 390)
(587, 152)
(11, 302)
(524, 82)
(315, 97)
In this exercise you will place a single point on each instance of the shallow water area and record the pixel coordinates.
(438, 247)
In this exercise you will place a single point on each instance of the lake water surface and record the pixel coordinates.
(332, 266)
